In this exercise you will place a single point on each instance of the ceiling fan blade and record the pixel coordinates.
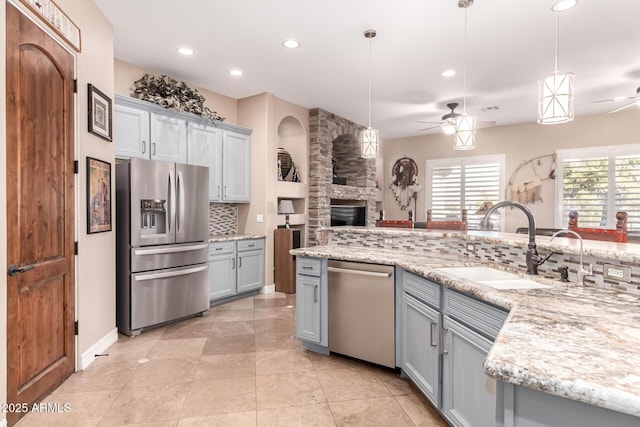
(422, 121)
(624, 107)
(432, 127)
(485, 124)
(616, 99)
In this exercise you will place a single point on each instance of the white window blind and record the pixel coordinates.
(598, 183)
(464, 183)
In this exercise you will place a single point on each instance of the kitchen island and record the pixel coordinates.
(578, 343)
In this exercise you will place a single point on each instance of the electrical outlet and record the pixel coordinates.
(259, 218)
(471, 247)
(617, 272)
(387, 240)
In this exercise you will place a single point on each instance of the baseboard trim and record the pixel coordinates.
(268, 289)
(99, 347)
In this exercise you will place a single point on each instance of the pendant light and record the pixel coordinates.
(465, 125)
(555, 90)
(369, 141)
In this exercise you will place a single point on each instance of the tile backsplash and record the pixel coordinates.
(223, 218)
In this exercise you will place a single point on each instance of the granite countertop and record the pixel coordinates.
(214, 238)
(582, 343)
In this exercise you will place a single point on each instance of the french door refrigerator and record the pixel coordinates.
(162, 232)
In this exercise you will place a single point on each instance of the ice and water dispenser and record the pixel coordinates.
(153, 216)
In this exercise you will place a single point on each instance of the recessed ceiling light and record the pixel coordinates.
(562, 5)
(186, 51)
(290, 44)
(619, 98)
(236, 73)
(448, 73)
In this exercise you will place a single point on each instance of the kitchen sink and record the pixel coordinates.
(492, 277)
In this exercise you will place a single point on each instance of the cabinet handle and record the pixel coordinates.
(251, 245)
(307, 267)
(433, 344)
(144, 147)
(444, 334)
(153, 145)
(240, 262)
(315, 293)
(233, 263)
(218, 193)
(225, 191)
(219, 249)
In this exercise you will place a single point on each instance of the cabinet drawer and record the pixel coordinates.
(480, 316)
(421, 288)
(221, 248)
(308, 266)
(250, 245)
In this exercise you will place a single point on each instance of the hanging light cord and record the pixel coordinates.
(370, 80)
(464, 70)
(557, 36)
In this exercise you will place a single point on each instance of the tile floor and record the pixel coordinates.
(239, 366)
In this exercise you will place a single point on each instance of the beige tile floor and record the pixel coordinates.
(239, 366)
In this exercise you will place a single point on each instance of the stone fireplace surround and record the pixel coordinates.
(333, 137)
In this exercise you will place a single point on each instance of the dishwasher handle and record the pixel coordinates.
(358, 272)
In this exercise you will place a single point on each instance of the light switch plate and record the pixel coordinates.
(259, 218)
(471, 247)
(617, 272)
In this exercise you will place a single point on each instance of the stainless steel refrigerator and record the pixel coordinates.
(162, 232)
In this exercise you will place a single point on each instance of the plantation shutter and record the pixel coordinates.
(466, 183)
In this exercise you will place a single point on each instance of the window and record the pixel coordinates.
(464, 183)
(598, 183)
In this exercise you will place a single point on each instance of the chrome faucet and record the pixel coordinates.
(532, 259)
(581, 271)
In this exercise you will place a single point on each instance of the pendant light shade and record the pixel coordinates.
(555, 98)
(369, 138)
(556, 90)
(465, 127)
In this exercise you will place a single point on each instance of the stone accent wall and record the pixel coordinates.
(223, 219)
(331, 136)
(451, 243)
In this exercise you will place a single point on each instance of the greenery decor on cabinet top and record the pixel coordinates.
(170, 93)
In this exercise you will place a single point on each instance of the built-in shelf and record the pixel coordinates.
(291, 190)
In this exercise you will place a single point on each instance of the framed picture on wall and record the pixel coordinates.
(100, 119)
(98, 196)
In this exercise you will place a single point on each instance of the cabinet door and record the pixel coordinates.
(204, 148)
(222, 276)
(421, 349)
(131, 132)
(468, 394)
(168, 138)
(250, 270)
(236, 156)
(308, 308)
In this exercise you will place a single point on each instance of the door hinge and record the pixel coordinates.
(75, 248)
(76, 167)
(75, 328)
(75, 85)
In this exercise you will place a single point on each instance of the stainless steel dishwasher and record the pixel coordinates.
(362, 311)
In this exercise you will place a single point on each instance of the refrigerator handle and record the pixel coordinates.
(172, 200)
(179, 215)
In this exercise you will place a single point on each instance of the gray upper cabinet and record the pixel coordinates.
(146, 130)
(141, 132)
(236, 155)
(204, 144)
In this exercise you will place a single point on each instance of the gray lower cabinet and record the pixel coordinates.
(468, 394)
(311, 307)
(235, 268)
(421, 346)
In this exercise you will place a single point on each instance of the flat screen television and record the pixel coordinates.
(348, 215)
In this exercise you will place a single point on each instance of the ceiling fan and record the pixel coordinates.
(636, 101)
(447, 124)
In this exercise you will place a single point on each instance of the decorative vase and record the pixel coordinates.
(286, 162)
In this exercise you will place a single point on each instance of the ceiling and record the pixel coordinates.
(510, 44)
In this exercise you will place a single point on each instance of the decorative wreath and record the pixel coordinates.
(403, 173)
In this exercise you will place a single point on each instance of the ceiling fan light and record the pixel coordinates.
(556, 98)
(369, 143)
(465, 132)
(448, 128)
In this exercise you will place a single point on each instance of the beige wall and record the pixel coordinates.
(95, 290)
(126, 74)
(519, 143)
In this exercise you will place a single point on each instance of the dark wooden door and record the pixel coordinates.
(40, 212)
